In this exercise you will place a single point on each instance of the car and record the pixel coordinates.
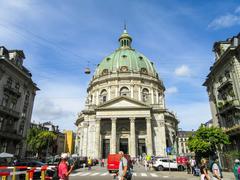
(161, 164)
(114, 160)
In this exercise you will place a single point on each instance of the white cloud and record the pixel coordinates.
(228, 20)
(171, 90)
(191, 115)
(183, 70)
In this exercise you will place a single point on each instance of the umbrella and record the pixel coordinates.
(6, 155)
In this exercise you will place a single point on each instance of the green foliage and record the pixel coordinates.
(205, 140)
(39, 139)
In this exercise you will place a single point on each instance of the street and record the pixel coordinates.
(101, 173)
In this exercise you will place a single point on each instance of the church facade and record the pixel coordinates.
(125, 108)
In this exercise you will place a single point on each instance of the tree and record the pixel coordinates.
(38, 140)
(205, 140)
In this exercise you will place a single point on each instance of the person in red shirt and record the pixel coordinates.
(63, 171)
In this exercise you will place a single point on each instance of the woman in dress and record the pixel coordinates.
(203, 170)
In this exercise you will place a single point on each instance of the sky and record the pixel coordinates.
(61, 38)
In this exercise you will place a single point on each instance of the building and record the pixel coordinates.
(223, 87)
(209, 123)
(182, 138)
(69, 141)
(17, 93)
(125, 107)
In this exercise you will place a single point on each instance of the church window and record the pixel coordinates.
(144, 70)
(124, 56)
(105, 72)
(140, 57)
(124, 69)
(227, 74)
(145, 94)
(103, 96)
(124, 91)
(108, 58)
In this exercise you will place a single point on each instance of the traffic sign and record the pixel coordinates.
(168, 149)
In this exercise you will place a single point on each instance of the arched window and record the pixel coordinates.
(105, 72)
(145, 94)
(124, 91)
(144, 70)
(103, 96)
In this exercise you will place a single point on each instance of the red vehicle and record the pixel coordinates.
(182, 160)
(114, 160)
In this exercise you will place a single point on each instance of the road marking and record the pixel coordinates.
(143, 174)
(153, 175)
(85, 174)
(94, 174)
(165, 176)
(104, 174)
(76, 174)
(134, 174)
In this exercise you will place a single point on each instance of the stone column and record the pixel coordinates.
(97, 138)
(85, 138)
(132, 137)
(149, 136)
(113, 135)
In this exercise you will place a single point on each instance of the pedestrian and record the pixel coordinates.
(145, 165)
(124, 172)
(102, 162)
(203, 170)
(216, 169)
(188, 167)
(236, 169)
(89, 163)
(193, 165)
(63, 171)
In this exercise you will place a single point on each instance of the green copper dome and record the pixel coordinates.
(125, 59)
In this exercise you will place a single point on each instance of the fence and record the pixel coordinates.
(12, 172)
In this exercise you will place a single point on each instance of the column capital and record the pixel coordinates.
(148, 119)
(114, 119)
(132, 119)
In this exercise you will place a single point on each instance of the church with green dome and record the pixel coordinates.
(125, 108)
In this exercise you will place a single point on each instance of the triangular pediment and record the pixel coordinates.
(123, 102)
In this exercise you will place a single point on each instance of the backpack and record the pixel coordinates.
(238, 170)
(128, 175)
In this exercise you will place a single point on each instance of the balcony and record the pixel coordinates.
(225, 85)
(229, 106)
(13, 91)
(8, 111)
(10, 135)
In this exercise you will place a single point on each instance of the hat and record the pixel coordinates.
(64, 156)
(236, 161)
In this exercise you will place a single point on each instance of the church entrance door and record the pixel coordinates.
(124, 145)
(141, 146)
(105, 148)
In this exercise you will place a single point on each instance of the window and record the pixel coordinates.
(220, 79)
(105, 71)
(21, 128)
(124, 91)
(124, 69)
(145, 94)
(227, 74)
(9, 82)
(103, 96)
(17, 86)
(13, 104)
(144, 70)
(1, 122)
(5, 100)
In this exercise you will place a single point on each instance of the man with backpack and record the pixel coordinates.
(124, 171)
(236, 169)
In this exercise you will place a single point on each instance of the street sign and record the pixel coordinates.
(168, 149)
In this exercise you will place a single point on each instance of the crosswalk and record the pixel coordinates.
(137, 174)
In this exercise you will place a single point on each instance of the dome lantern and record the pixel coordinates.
(125, 39)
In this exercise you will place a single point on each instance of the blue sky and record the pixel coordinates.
(61, 38)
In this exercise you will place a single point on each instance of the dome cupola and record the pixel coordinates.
(125, 39)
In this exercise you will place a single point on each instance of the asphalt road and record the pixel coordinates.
(99, 173)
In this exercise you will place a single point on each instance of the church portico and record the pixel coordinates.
(125, 108)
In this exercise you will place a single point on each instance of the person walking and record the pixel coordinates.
(102, 164)
(203, 170)
(193, 165)
(123, 166)
(236, 169)
(63, 172)
(216, 169)
(89, 163)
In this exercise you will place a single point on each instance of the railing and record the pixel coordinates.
(9, 111)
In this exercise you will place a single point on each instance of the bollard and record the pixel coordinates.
(43, 169)
(4, 175)
(14, 173)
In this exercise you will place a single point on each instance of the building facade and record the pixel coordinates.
(182, 138)
(223, 87)
(125, 108)
(17, 93)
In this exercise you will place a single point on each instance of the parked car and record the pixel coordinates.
(161, 164)
(182, 160)
(114, 160)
